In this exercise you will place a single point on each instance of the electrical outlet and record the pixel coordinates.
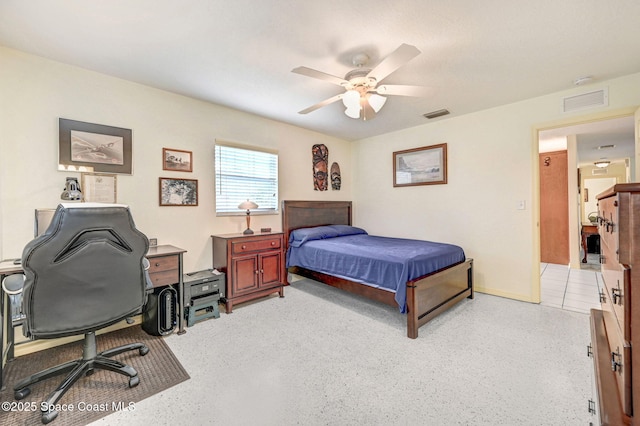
(153, 242)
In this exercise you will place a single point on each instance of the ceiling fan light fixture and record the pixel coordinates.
(353, 112)
(376, 101)
(351, 99)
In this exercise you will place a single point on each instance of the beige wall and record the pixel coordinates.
(492, 157)
(492, 161)
(35, 92)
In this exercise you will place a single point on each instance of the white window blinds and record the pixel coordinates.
(243, 174)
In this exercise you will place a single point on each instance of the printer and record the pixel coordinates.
(202, 293)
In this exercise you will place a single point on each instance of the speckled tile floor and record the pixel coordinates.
(323, 357)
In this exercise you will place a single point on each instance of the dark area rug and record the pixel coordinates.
(99, 394)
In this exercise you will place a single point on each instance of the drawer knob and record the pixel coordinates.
(243, 247)
(157, 264)
(273, 243)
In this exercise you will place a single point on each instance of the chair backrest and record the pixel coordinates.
(85, 272)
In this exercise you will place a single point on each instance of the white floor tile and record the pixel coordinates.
(569, 289)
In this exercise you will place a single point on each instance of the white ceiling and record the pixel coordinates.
(591, 137)
(475, 54)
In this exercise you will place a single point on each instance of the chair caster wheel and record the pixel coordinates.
(49, 416)
(134, 381)
(143, 351)
(89, 372)
(21, 393)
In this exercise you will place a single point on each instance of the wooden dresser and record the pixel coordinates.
(254, 265)
(615, 328)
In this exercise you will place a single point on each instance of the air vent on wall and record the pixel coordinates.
(591, 99)
(435, 114)
(598, 171)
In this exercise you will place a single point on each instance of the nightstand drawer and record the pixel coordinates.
(163, 278)
(163, 263)
(255, 245)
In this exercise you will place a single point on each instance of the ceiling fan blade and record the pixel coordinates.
(321, 104)
(402, 90)
(320, 75)
(395, 60)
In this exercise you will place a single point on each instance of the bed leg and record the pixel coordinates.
(412, 315)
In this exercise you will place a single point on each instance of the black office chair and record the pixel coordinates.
(86, 272)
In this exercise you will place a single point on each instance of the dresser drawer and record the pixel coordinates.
(620, 362)
(616, 296)
(163, 263)
(239, 247)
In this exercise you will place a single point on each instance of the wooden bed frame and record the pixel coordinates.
(427, 296)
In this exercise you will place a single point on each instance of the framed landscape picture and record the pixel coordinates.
(420, 166)
(177, 160)
(178, 192)
(93, 147)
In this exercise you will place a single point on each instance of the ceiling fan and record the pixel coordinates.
(362, 97)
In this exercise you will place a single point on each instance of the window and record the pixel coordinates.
(245, 173)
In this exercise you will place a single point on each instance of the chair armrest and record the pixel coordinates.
(13, 284)
(147, 265)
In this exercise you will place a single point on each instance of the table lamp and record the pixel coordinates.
(248, 205)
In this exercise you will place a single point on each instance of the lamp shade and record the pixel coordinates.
(247, 205)
(351, 99)
(376, 101)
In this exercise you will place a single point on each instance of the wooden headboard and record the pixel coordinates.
(305, 214)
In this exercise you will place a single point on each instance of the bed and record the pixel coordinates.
(422, 297)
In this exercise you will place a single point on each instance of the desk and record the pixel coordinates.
(587, 229)
(157, 253)
(6, 329)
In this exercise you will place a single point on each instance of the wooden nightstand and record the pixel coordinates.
(254, 265)
(166, 269)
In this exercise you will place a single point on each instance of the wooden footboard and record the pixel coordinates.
(429, 296)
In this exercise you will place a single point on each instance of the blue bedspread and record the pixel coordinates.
(379, 261)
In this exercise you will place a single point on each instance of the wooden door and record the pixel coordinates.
(554, 208)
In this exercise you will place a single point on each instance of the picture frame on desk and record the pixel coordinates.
(90, 147)
(99, 188)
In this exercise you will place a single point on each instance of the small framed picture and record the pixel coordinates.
(99, 188)
(420, 166)
(177, 160)
(178, 192)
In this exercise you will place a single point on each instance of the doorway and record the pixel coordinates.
(581, 140)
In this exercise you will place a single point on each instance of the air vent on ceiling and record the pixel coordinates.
(435, 114)
(596, 98)
(598, 171)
